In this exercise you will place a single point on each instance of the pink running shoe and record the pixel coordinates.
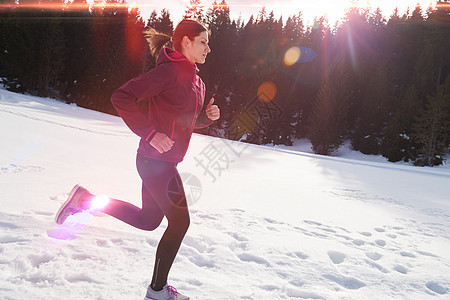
(167, 293)
(72, 204)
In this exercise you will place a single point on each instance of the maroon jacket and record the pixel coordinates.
(175, 95)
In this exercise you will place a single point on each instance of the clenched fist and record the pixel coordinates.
(212, 111)
(161, 142)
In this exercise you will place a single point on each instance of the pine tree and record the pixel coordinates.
(194, 10)
(5, 14)
(294, 28)
(397, 141)
(219, 71)
(374, 112)
(152, 20)
(33, 52)
(77, 24)
(51, 55)
(432, 128)
(438, 32)
(417, 14)
(425, 71)
(112, 63)
(165, 24)
(328, 121)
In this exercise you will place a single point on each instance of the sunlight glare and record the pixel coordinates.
(99, 202)
(291, 56)
(267, 91)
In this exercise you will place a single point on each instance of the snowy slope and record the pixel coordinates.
(266, 223)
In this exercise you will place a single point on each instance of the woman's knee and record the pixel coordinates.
(180, 222)
(184, 222)
(150, 224)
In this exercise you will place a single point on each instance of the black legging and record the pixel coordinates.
(162, 195)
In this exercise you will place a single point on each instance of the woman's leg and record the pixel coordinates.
(162, 181)
(148, 217)
(162, 195)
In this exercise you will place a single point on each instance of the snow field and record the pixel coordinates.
(271, 223)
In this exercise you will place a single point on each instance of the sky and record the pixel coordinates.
(333, 9)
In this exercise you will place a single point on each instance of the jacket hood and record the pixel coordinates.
(168, 55)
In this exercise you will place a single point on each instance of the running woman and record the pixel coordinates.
(174, 95)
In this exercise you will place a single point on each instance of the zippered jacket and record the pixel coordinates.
(173, 96)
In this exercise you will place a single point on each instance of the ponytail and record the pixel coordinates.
(157, 41)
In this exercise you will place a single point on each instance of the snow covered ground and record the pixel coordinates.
(266, 222)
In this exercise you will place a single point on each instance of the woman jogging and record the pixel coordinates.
(174, 95)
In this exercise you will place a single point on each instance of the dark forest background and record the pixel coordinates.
(383, 84)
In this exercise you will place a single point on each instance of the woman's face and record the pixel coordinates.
(196, 50)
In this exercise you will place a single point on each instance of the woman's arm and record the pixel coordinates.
(126, 99)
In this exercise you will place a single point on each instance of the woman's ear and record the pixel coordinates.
(186, 41)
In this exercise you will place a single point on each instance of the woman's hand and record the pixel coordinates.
(212, 111)
(161, 142)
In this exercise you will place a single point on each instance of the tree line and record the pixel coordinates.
(381, 83)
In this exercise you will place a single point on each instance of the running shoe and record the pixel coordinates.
(72, 205)
(167, 293)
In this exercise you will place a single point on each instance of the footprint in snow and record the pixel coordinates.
(401, 269)
(37, 260)
(328, 230)
(358, 242)
(366, 233)
(336, 257)
(380, 243)
(238, 237)
(345, 237)
(246, 257)
(350, 283)
(272, 221)
(376, 266)
(312, 223)
(407, 254)
(373, 255)
(436, 287)
(426, 253)
(300, 255)
(292, 292)
(201, 261)
(9, 225)
(269, 287)
(194, 282)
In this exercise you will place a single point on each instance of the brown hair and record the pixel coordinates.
(187, 27)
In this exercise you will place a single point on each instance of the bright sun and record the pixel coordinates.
(334, 10)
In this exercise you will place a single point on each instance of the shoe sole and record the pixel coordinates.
(64, 206)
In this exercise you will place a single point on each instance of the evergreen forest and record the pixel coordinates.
(382, 83)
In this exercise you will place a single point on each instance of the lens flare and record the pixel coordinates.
(267, 91)
(99, 202)
(291, 56)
